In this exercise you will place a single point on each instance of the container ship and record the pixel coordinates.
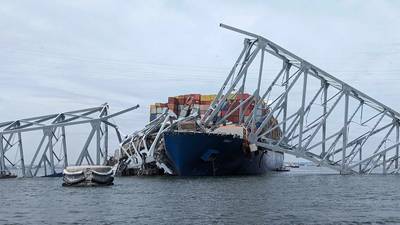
(191, 151)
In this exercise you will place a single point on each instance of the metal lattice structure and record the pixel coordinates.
(322, 118)
(54, 127)
(143, 146)
(296, 108)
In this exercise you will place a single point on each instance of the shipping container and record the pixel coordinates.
(207, 98)
(200, 103)
(161, 110)
(172, 107)
(181, 101)
(204, 107)
(187, 125)
(242, 96)
(205, 102)
(172, 100)
(196, 97)
(153, 109)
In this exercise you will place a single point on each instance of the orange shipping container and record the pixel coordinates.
(205, 102)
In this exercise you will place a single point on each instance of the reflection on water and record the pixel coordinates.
(307, 195)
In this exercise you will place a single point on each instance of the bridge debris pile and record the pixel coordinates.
(143, 152)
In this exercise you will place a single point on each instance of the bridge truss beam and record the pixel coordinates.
(321, 118)
(53, 127)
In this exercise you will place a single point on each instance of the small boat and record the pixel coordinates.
(82, 176)
(7, 175)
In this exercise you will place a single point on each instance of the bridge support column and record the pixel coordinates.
(287, 75)
(325, 96)
(397, 147)
(51, 150)
(303, 102)
(345, 125)
(384, 163)
(2, 152)
(105, 142)
(21, 154)
(98, 147)
(360, 166)
(64, 146)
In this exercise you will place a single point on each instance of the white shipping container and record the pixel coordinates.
(230, 129)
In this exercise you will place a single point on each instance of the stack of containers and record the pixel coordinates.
(173, 104)
(205, 102)
(157, 109)
(153, 112)
(200, 103)
(178, 104)
(233, 102)
(195, 102)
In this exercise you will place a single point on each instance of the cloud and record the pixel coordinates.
(68, 54)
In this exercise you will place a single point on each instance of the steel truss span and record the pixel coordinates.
(322, 119)
(54, 128)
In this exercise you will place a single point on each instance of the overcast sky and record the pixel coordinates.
(64, 55)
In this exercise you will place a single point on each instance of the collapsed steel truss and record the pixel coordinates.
(318, 117)
(143, 146)
(322, 118)
(54, 131)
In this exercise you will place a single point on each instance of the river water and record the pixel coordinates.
(307, 195)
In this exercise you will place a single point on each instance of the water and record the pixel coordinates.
(302, 196)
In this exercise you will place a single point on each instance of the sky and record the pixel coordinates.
(59, 55)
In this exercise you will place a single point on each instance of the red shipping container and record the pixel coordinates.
(181, 101)
(223, 113)
(172, 107)
(233, 119)
(196, 97)
(172, 100)
(243, 96)
(189, 101)
(248, 111)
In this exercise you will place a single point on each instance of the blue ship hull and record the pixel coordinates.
(204, 154)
